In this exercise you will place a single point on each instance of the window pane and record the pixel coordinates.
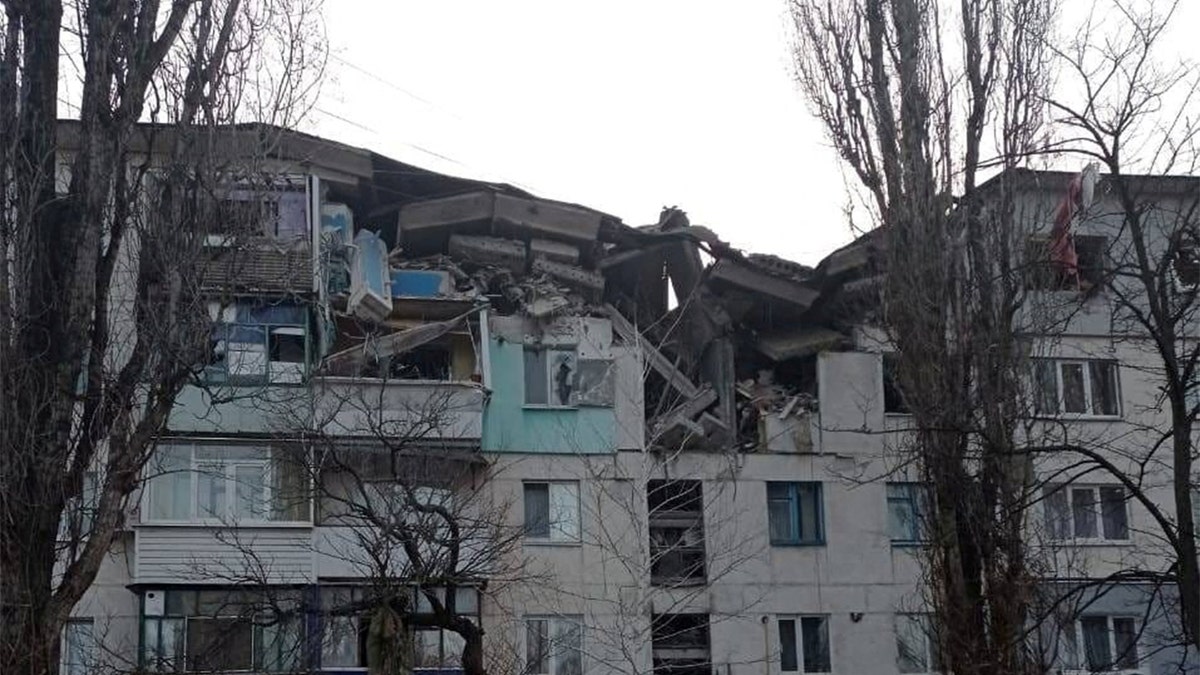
(339, 646)
(77, 648)
(171, 483)
(564, 511)
(210, 491)
(537, 653)
(278, 645)
(219, 644)
(427, 648)
(537, 510)
(779, 513)
(787, 645)
(1068, 650)
(250, 488)
(1045, 387)
(1104, 387)
(563, 377)
(1113, 513)
(1074, 398)
(902, 512)
(568, 647)
(290, 493)
(1095, 642)
(1125, 636)
(1083, 510)
(535, 377)
(815, 633)
(452, 649)
(809, 498)
(1058, 516)
(910, 644)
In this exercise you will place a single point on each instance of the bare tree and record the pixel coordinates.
(919, 98)
(100, 322)
(1129, 107)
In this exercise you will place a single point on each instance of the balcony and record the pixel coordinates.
(376, 408)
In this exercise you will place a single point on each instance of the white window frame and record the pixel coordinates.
(1098, 515)
(1080, 655)
(799, 641)
(66, 666)
(228, 469)
(1089, 399)
(918, 497)
(553, 658)
(557, 533)
(924, 620)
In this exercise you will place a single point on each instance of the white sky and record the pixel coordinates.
(623, 106)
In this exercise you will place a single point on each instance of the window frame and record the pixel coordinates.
(1057, 364)
(924, 621)
(554, 657)
(66, 665)
(1069, 490)
(796, 514)
(226, 325)
(917, 497)
(798, 641)
(548, 367)
(1079, 655)
(565, 538)
(196, 468)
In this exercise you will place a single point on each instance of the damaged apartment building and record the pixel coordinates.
(613, 448)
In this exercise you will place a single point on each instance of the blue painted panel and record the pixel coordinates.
(511, 426)
(416, 283)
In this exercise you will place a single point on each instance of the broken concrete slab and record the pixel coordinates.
(556, 251)
(570, 274)
(798, 343)
(745, 276)
(490, 250)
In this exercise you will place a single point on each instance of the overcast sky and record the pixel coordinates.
(624, 106)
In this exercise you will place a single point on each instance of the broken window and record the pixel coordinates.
(680, 644)
(427, 362)
(893, 399)
(1045, 273)
(550, 376)
(676, 511)
(256, 343)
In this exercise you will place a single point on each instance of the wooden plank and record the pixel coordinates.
(657, 361)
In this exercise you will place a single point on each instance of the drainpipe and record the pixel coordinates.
(766, 624)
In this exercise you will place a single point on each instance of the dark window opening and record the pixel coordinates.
(680, 644)
(893, 397)
(676, 511)
(428, 362)
(1187, 263)
(1046, 273)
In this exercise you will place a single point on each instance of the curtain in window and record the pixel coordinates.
(1058, 514)
(171, 483)
(537, 510)
(1125, 636)
(779, 512)
(1104, 387)
(788, 661)
(1113, 514)
(568, 647)
(564, 511)
(1083, 509)
(1074, 396)
(537, 648)
(1095, 642)
(809, 498)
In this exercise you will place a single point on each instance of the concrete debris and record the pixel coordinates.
(725, 356)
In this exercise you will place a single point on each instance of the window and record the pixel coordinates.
(218, 630)
(1083, 387)
(553, 646)
(552, 511)
(550, 376)
(808, 650)
(436, 649)
(915, 646)
(1109, 643)
(1086, 512)
(257, 344)
(907, 509)
(78, 647)
(893, 400)
(676, 511)
(794, 513)
(680, 644)
(1186, 263)
(1049, 275)
(226, 483)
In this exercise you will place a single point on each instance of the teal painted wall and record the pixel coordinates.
(510, 426)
